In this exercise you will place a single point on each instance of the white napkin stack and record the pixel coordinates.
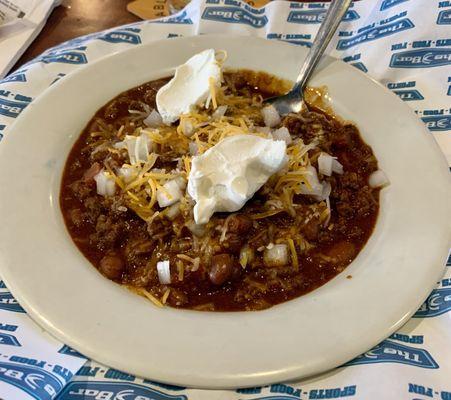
(18, 31)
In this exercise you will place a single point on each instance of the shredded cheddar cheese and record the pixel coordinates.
(141, 180)
(212, 84)
(294, 254)
(165, 296)
(151, 297)
(243, 259)
(180, 270)
(186, 258)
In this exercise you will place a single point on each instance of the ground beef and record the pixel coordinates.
(227, 271)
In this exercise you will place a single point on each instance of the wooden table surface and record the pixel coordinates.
(75, 18)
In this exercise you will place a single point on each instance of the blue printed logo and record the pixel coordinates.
(409, 94)
(234, 15)
(360, 65)
(71, 352)
(37, 382)
(119, 375)
(391, 352)
(66, 57)
(237, 3)
(390, 3)
(437, 123)
(277, 397)
(121, 37)
(438, 303)
(424, 58)
(8, 327)
(444, 17)
(299, 42)
(73, 43)
(15, 78)
(60, 49)
(114, 390)
(254, 390)
(295, 38)
(376, 33)
(7, 301)
(164, 385)
(317, 16)
(176, 19)
(2, 284)
(9, 340)
(21, 97)
(11, 108)
(58, 77)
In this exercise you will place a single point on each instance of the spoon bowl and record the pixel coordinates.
(293, 101)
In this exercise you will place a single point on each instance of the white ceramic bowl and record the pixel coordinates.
(63, 293)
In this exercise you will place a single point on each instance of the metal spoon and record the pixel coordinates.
(293, 101)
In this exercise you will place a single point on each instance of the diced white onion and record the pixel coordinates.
(193, 150)
(106, 186)
(181, 182)
(327, 189)
(282, 134)
(164, 272)
(337, 167)
(196, 264)
(270, 116)
(219, 112)
(171, 195)
(308, 147)
(153, 120)
(130, 143)
(378, 179)
(246, 256)
(326, 222)
(276, 256)
(120, 145)
(266, 130)
(137, 113)
(325, 162)
(126, 173)
(141, 113)
(197, 229)
(173, 211)
(101, 147)
(328, 164)
(316, 188)
(138, 147)
(187, 127)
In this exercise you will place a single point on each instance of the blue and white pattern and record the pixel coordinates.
(30, 365)
(405, 45)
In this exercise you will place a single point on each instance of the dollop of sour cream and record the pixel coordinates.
(189, 87)
(228, 174)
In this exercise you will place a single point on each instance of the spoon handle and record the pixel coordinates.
(337, 10)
